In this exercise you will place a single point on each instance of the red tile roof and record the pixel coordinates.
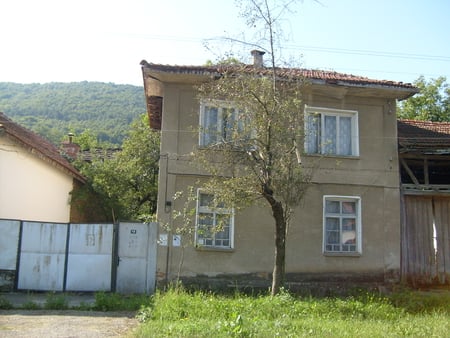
(330, 77)
(37, 145)
(423, 135)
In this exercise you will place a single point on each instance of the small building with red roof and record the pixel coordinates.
(35, 179)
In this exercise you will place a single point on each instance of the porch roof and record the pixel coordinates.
(423, 136)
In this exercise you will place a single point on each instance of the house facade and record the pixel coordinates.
(35, 179)
(347, 227)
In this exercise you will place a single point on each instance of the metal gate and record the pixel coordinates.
(136, 261)
(426, 240)
(89, 257)
(42, 256)
(78, 257)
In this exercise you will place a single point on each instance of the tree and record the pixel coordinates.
(431, 104)
(126, 183)
(256, 156)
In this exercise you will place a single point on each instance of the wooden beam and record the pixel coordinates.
(409, 171)
(425, 171)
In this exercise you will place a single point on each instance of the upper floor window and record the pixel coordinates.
(331, 131)
(219, 122)
(214, 223)
(342, 224)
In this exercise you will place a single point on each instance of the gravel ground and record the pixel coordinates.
(66, 323)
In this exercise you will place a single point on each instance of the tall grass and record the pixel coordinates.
(178, 313)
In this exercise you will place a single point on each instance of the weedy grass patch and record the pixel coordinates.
(180, 313)
(105, 301)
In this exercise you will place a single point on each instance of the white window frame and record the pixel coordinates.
(321, 137)
(343, 248)
(220, 130)
(214, 212)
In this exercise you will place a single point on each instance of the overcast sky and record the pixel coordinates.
(104, 40)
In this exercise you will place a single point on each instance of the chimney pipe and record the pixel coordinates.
(258, 58)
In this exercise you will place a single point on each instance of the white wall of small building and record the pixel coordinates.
(30, 187)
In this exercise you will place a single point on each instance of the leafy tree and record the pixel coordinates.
(126, 181)
(53, 109)
(431, 104)
(259, 158)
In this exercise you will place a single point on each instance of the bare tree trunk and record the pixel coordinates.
(280, 248)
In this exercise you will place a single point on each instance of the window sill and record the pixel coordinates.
(213, 249)
(342, 254)
(350, 157)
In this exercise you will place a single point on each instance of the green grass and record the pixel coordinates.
(117, 302)
(5, 304)
(178, 313)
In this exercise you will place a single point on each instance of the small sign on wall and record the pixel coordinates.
(176, 240)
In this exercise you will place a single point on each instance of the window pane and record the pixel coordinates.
(209, 125)
(206, 200)
(228, 123)
(313, 134)
(206, 219)
(349, 208)
(330, 134)
(332, 237)
(348, 224)
(332, 223)
(345, 135)
(332, 207)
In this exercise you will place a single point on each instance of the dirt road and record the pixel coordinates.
(66, 323)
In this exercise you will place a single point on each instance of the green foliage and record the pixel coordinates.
(55, 109)
(126, 183)
(422, 301)
(56, 302)
(30, 305)
(257, 155)
(5, 304)
(178, 313)
(117, 302)
(431, 104)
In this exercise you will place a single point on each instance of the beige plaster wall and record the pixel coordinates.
(31, 188)
(373, 176)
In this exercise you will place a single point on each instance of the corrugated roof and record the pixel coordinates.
(330, 77)
(38, 145)
(423, 135)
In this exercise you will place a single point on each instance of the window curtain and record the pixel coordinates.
(345, 135)
(209, 125)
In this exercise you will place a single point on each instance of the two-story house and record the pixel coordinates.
(348, 226)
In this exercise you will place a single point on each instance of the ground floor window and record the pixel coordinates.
(342, 224)
(214, 223)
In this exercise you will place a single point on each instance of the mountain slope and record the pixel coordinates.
(55, 109)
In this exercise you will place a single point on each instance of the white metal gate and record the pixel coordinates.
(89, 257)
(78, 257)
(136, 258)
(42, 256)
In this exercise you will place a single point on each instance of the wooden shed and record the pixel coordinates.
(424, 155)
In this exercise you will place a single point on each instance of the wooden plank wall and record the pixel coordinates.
(426, 259)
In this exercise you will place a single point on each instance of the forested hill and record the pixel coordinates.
(55, 109)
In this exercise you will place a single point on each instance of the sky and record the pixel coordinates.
(104, 40)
